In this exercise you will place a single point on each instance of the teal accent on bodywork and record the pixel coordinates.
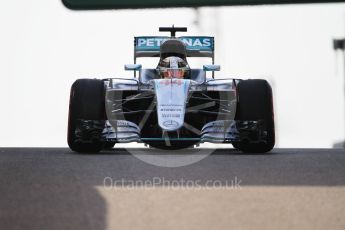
(193, 43)
(170, 139)
(211, 67)
(185, 86)
(135, 67)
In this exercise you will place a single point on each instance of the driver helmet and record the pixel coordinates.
(173, 67)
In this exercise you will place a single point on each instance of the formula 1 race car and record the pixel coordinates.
(171, 106)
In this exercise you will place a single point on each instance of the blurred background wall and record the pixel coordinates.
(45, 47)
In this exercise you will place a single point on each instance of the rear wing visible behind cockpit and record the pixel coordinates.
(149, 46)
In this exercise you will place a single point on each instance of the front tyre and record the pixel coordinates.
(109, 145)
(256, 103)
(86, 118)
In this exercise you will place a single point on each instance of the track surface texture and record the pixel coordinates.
(55, 188)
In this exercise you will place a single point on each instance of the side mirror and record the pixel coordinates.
(134, 67)
(211, 67)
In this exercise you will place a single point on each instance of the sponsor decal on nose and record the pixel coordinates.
(171, 96)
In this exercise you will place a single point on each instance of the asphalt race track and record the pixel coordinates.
(54, 188)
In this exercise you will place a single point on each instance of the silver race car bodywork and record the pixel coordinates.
(172, 113)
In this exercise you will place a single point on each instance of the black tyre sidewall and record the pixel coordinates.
(256, 103)
(87, 101)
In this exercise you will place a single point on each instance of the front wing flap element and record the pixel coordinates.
(233, 131)
(224, 131)
(122, 132)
